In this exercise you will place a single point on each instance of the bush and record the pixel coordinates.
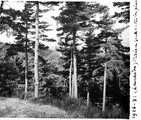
(73, 104)
(90, 112)
(21, 95)
(34, 100)
(114, 112)
(57, 103)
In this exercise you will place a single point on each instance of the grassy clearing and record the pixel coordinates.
(6, 111)
(16, 108)
(77, 108)
(51, 108)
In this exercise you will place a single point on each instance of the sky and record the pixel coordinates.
(52, 34)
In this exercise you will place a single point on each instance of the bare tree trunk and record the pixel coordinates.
(74, 65)
(36, 52)
(88, 97)
(104, 88)
(26, 66)
(89, 71)
(70, 79)
(75, 77)
(72, 96)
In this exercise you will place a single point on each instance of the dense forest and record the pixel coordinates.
(90, 67)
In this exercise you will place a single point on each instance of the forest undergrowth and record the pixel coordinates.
(77, 108)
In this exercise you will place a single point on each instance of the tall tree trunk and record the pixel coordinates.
(88, 97)
(73, 88)
(74, 66)
(36, 52)
(26, 65)
(75, 77)
(70, 79)
(104, 82)
(104, 87)
(89, 74)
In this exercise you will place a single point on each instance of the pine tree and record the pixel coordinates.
(89, 62)
(70, 20)
(22, 32)
(36, 50)
(111, 55)
(9, 72)
(66, 50)
(40, 27)
(7, 19)
(88, 53)
(124, 15)
(75, 18)
(37, 44)
(27, 21)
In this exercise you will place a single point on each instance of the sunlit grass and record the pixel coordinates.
(6, 111)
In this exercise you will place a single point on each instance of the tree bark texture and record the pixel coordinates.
(74, 66)
(36, 51)
(104, 88)
(88, 97)
(26, 66)
(70, 79)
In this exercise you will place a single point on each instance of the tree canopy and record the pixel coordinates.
(90, 62)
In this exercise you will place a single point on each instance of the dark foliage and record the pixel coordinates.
(125, 11)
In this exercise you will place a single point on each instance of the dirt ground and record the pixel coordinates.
(16, 108)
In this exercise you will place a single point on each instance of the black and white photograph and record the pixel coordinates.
(66, 59)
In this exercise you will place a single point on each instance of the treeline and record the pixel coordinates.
(90, 62)
(13, 72)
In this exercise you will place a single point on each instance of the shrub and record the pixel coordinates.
(90, 112)
(77, 108)
(21, 95)
(76, 114)
(73, 104)
(5, 111)
(57, 103)
(34, 100)
(114, 112)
